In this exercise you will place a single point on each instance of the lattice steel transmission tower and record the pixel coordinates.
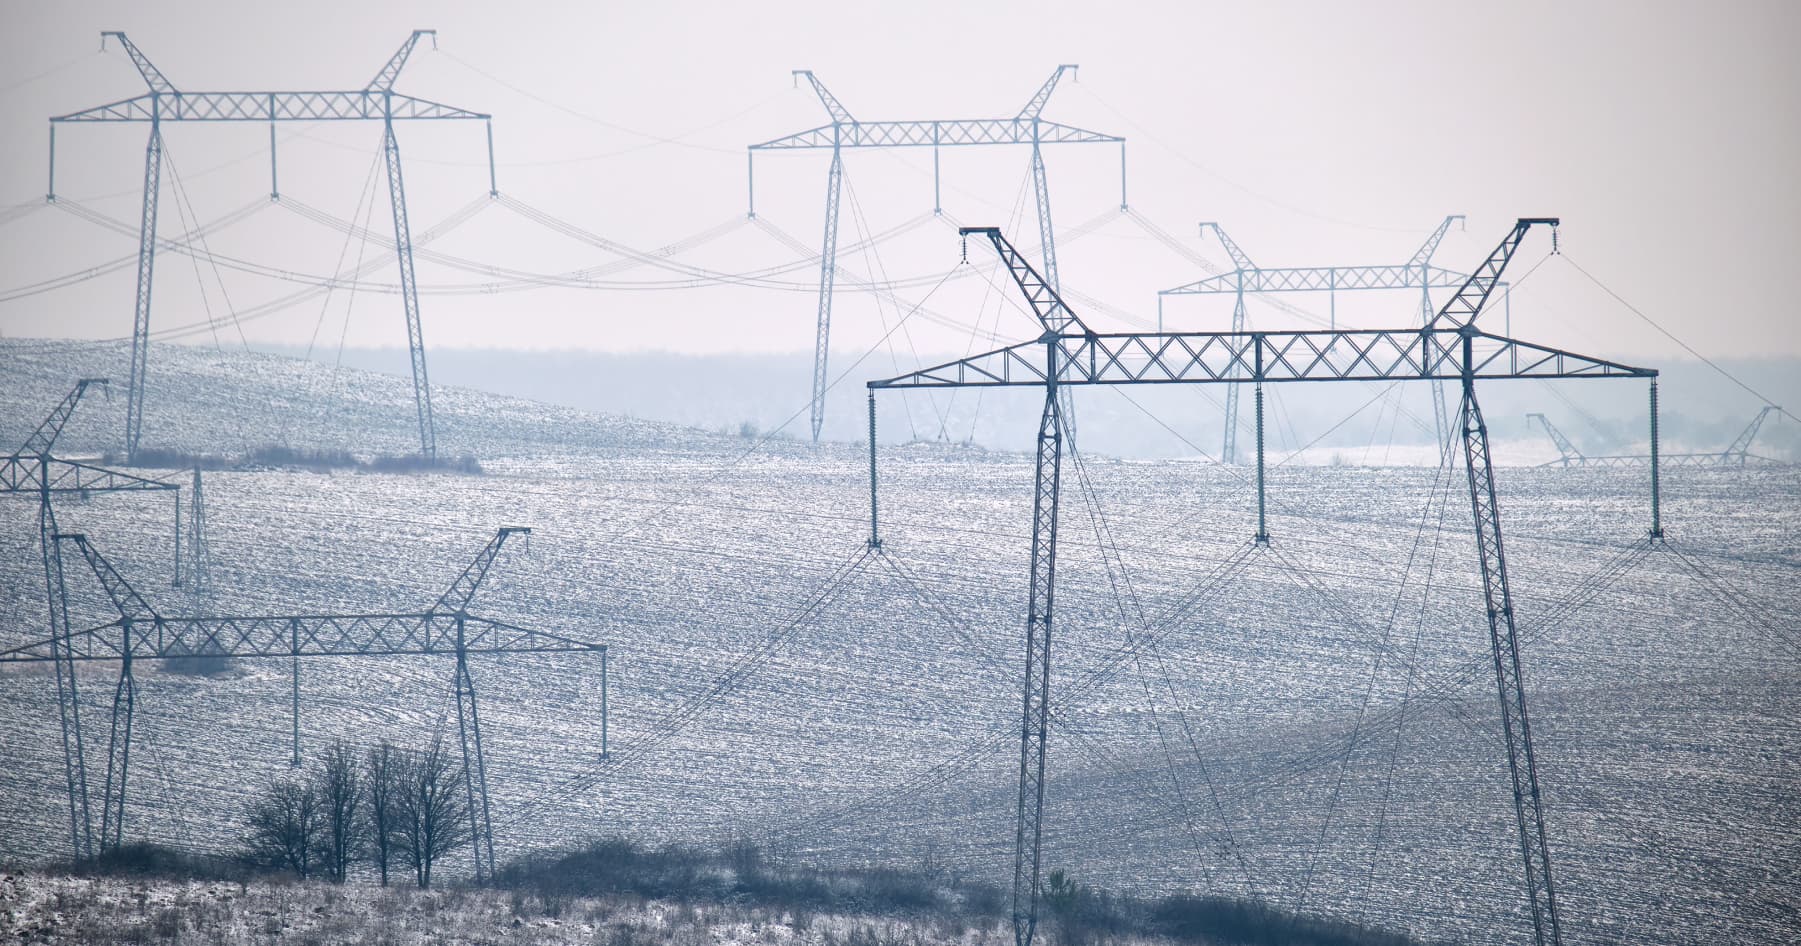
(1027, 127)
(1449, 347)
(376, 101)
(141, 632)
(1737, 453)
(34, 470)
(1247, 277)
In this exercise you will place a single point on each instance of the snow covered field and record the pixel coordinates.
(1319, 729)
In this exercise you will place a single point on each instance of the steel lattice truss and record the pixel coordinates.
(300, 635)
(936, 134)
(29, 474)
(1324, 279)
(353, 105)
(1236, 358)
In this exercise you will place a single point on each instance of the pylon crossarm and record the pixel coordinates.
(384, 80)
(1055, 316)
(327, 635)
(1043, 95)
(153, 77)
(1463, 307)
(24, 474)
(946, 134)
(350, 105)
(44, 437)
(132, 607)
(1322, 279)
(1423, 255)
(462, 591)
(1226, 357)
(840, 114)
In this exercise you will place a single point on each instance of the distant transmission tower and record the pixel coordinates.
(376, 101)
(1024, 128)
(199, 557)
(1247, 277)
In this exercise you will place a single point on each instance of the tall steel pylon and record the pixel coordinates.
(376, 101)
(1450, 347)
(141, 632)
(1027, 127)
(1246, 277)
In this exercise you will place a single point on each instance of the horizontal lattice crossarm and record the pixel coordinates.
(1322, 279)
(340, 635)
(21, 474)
(975, 131)
(361, 104)
(1221, 357)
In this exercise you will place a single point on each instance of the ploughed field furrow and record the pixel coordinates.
(1319, 729)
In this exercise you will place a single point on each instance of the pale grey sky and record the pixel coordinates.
(1665, 134)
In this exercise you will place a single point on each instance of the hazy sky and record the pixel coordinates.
(1667, 136)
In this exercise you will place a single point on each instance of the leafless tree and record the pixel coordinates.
(382, 769)
(433, 808)
(285, 823)
(338, 782)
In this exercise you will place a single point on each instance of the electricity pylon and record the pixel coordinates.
(376, 101)
(1449, 347)
(33, 469)
(1247, 277)
(198, 556)
(141, 632)
(1027, 127)
(1737, 453)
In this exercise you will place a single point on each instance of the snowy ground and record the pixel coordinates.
(82, 911)
(1274, 742)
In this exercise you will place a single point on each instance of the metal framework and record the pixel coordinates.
(1247, 277)
(33, 469)
(198, 557)
(1027, 127)
(376, 101)
(1737, 453)
(1449, 347)
(141, 632)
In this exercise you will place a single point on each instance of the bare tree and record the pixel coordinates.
(382, 769)
(433, 809)
(338, 782)
(285, 823)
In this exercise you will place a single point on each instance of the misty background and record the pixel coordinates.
(1663, 136)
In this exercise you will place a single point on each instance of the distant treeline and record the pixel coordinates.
(319, 460)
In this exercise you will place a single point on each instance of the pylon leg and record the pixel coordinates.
(118, 756)
(409, 294)
(1035, 691)
(1510, 682)
(1228, 451)
(475, 774)
(68, 701)
(140, 323)
(828, 274)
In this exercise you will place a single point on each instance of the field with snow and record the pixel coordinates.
(1317, 726)
(91, 911)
